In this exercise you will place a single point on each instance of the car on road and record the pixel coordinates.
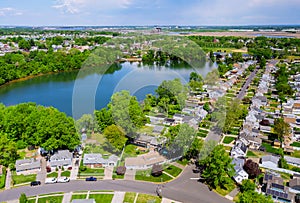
(91, 179)
(63, 180)
(50, 180)
(35, 183)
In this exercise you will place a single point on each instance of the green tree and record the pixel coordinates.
(8, 151)
(23, 198)
(253, 197)
(281, 128)
(86, 121)
(24, 44)
(282, 163)
(218, 168)
(115, 136)
(206, 106)
(104, 118)
(247, 185)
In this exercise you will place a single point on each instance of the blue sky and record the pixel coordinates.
(149, 12)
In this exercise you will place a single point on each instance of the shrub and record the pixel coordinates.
(156, 170)
(121, 170)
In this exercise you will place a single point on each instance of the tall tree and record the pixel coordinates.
(104, 118)
(218, 168)
(252, 168)
(8, 150)
(115, 136)
(281, 128)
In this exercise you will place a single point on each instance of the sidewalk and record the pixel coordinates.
(108, 172)
(8, 179)
(130, 174)
(118, 197)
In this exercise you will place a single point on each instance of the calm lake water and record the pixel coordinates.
(79, 93)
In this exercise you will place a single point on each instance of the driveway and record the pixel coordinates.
(41, 175)
(183, 189)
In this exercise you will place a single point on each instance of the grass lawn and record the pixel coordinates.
(296, 144)
(296, 154)
(270, 149)
(116, 176)
(18, 179)
(251, 154)
(92, 172)
(102, 198)
(66, 173)
(54, 199)
(227, 148)
(31, 201)
(146, 129)
(142, 198)
(183, 162)
(79, 196)
(2, 180)
(131, 151)
(228, 140)
(145, 175)
(173, 170)
(52, 175)
(204, 135)
(223, 191)
(129, 197)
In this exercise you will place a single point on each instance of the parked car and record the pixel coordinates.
(35, 183)
(50, 180)
(91, 179)
(63, 180)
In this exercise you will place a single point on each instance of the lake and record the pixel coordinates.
(77, 93)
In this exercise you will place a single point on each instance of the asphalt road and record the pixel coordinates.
(243, 91)
(182, 189)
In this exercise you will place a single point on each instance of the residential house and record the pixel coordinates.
(296, 108)
(239, 149)
(251, 142)
(276, 143)
(28, 166)
(97, 160)
(295, 183)
(159, 119)
(292, 161)
(276, 189)
(240, 173)
(62, 158)
(144, 161)
(158, 129)
(148, 141)
(270, 161)
(169, 121)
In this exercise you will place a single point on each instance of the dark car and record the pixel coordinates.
(91, 179)
(35, 183)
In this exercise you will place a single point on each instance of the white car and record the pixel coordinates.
(63, 180)
(50, 180)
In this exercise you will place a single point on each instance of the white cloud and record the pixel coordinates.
(78, 6)
(10, 12)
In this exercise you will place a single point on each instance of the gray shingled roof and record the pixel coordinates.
(27, 164)
(98, 159)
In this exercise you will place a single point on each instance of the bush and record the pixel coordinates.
(121, 170)
(2, 178)
(23, 198)
(156, 170)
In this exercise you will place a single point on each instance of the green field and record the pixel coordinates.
(228, 140)
(53, 199)
(142, 198)
(145, 175)
(173, 170)
(129, 197)
(102, 198)
(19, 179)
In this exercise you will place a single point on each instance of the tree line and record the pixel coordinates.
(29, 124)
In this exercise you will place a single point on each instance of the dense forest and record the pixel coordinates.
(19, 65)
(33, 125)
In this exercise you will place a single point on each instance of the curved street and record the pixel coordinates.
(183, 189)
